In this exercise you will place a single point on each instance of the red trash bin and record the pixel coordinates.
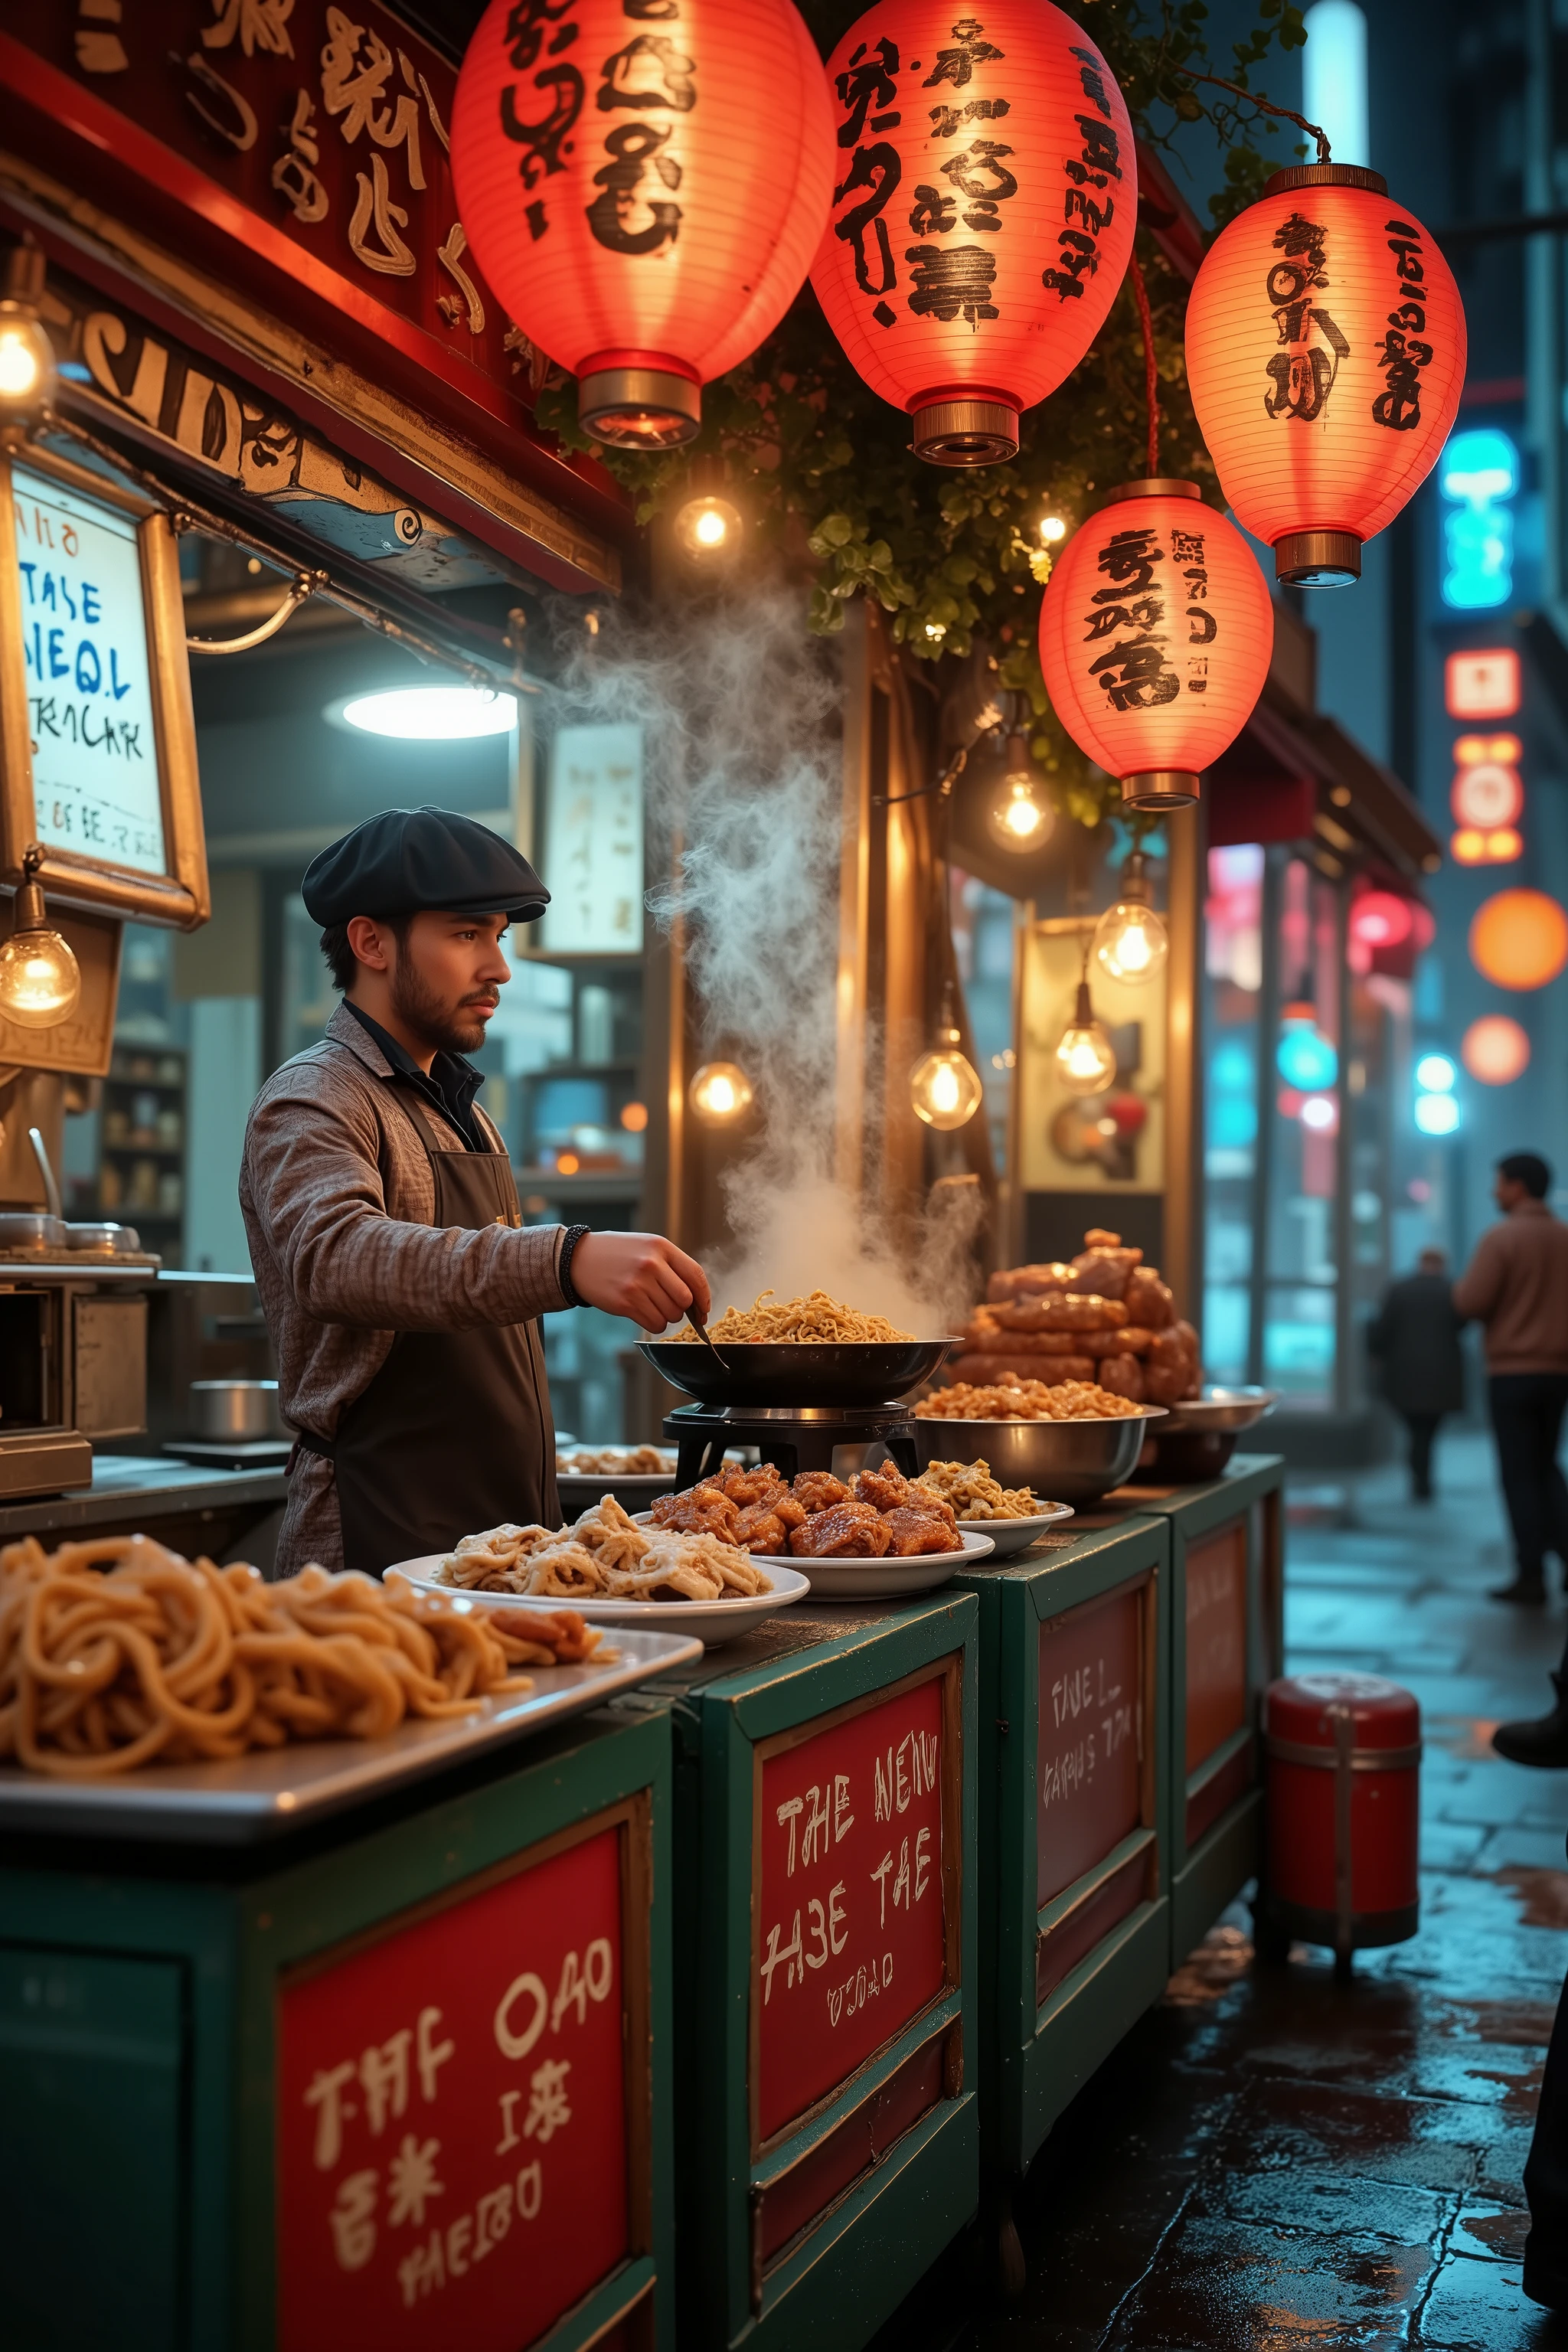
(1342, 1846)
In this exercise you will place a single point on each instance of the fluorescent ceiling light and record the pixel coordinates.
(428, 714)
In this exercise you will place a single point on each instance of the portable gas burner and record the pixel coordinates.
(793, 1437)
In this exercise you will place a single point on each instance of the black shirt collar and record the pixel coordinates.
(451, 1085)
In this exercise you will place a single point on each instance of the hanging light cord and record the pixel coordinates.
(1151, 373)
(1266, 106)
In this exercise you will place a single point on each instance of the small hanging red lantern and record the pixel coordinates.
(644, 198)
(1326, 356)
(983, 206)
(1155, 637)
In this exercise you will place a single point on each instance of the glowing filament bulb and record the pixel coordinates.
(721, 1092)
(40, 980)
(1085, 1061)
(944, 1088)
(1130, 942)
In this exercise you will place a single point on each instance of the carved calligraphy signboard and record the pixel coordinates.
(855, 1892)
(1088, 1784)
(452, 2137)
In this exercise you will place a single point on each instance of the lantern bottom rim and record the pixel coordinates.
(639, 407)
(1160, 788)
(1318, 559)
(965, 432)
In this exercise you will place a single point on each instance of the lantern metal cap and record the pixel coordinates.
(1153, 486)
(639, 407)
(1160, 788)
(965, 432)
(1324, 175)
(1317, 558)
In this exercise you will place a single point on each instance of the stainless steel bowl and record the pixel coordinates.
(1063, 1461)
(31, 1229)
(115, 1241)
(1220, 1408)
(235, 1410)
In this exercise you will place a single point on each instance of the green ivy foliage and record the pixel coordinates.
(822, 466)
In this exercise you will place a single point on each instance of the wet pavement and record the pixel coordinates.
(1273, 2160)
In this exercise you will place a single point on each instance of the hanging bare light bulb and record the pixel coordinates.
(1130, 942)
(1086, 1062)
(721, 1092)
(944, 1087)
(26, 355)
(709, 527)
(1020, 817)
(40, 980)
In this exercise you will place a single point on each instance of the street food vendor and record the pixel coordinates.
(401, 1287)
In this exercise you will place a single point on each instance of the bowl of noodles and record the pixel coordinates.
(812, 1350)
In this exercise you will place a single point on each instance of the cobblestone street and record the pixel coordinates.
(1271, 2159)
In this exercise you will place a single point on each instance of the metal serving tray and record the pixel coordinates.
(273, 1789)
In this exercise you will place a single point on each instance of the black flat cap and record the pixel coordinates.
(408, 859)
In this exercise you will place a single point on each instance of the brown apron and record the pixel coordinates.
(454, 1432)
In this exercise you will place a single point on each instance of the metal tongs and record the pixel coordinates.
(701, 1329)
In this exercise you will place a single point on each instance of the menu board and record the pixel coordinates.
(593, 842)
(849, 1896)
(1089, 1778)
(451, 2145)
(96, 786)
(1216, 1639)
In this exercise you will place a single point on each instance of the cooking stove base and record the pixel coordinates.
(793, 1438)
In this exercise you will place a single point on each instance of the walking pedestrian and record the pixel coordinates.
(1517, 1287)
(1416, 1339)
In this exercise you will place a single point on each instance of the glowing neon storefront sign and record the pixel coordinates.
(1479, 473)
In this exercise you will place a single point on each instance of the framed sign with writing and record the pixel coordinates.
(462, 2146)
(593, 842)
(98, 751)
(857, 1872)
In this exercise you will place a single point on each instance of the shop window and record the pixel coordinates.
(1232, 971)
(1306, 1095)
(984, 930)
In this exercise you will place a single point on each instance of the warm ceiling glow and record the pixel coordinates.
(1495, 1050)
(429, 714)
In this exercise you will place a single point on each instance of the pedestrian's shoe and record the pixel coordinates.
(1542, 1740)
(1529, 1591)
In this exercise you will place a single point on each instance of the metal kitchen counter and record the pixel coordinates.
(228, 1514)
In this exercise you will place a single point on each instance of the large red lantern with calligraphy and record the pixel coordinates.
(645, 196)
(1326, 355)
(1155, 636)
(984, 200)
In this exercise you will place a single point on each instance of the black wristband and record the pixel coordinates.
(569, 1242)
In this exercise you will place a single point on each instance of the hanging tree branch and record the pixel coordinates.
(1265, 106)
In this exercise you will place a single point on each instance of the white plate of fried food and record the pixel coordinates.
(614, 1570)
(871, 1538)
(1010, 1515)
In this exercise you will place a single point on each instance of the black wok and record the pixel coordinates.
(799, 1372)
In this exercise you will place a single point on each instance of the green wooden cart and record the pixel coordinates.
(827, 2118)
(1227, 1601)
(1074, 1926)
(399, 2078)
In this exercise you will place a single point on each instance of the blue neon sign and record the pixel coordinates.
(1480, 472)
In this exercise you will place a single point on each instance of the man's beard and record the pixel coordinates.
(445, 1028)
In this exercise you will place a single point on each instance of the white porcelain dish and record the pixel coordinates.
(708, 1621)
(883, 1579)
(1010, 1536)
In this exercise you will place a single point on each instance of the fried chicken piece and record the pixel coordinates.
(746, 1487)
(701, 1511)
(848, 1531)
(1122, 1376)
(1150, 1300)
(819, 1490)
(915, 1528)
(885, 1487)
(788, 1509)
(763, 1530)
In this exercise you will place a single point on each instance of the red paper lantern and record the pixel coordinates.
(645, 196)
(1326, 355)
(1155, 637)
(983, 207)
(1382, 919)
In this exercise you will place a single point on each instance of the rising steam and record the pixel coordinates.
(743, 762)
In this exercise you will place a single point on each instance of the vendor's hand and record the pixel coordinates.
(640, 1275)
